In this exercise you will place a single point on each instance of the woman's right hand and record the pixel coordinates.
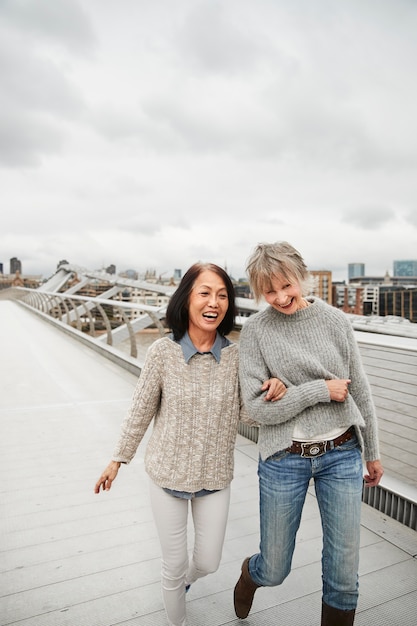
(338, 389)
(107, 477)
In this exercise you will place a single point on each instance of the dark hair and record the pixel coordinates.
(177, 310)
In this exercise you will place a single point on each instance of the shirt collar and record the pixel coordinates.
(189, 349)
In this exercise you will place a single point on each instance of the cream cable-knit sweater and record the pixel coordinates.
(304, 350)
(195, 408)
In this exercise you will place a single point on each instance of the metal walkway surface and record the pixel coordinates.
(69, 557)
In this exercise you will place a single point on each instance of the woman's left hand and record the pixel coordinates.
(375, 472)
(275, 389)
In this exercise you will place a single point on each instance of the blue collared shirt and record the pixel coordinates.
(189, 350)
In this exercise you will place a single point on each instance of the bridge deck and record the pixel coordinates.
(71, 558)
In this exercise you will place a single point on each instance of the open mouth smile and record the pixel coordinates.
(286, 306)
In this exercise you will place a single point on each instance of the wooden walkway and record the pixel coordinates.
(69, 557)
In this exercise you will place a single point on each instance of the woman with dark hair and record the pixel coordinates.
(189, 388)
(177, 312)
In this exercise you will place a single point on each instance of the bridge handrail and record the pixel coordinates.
(59, 305)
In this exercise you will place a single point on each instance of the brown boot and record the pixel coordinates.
(336, 617)
(244, 591)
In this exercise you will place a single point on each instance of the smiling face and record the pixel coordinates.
(283, 295)
(207, 304)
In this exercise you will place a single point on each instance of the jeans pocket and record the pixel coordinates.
(277, 456)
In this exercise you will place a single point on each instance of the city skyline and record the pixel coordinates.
(141, 271)
(159, 134)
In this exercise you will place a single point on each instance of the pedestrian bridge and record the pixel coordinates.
(73, 558)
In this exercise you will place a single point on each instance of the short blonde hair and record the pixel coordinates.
(277, 259)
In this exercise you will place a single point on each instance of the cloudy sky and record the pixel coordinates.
(154, 133)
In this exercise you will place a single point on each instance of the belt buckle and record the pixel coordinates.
(311, 450)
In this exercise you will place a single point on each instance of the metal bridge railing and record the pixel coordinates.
(91, 315)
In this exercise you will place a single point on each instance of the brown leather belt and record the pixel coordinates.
(317, 448)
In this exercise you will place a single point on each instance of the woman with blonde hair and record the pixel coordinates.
(316, 429)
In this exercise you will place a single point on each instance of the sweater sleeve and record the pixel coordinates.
(144, 405)
(253, 372)
(244, 416)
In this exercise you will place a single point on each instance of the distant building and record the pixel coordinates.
(355, 270)
(348, 297)
(1, 268)
(17, 280)
(398, 301)
(384, 280)
(384, 299)
(130, 274)
(405, 268)
(177, 275)
(141, 296)
(323, 285)
(15, 266)
(150, 275)
(370, 300)
(242, 288)
(111, 269)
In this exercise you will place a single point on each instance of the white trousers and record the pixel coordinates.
(178, 570)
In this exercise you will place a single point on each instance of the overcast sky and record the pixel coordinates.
(155, 133)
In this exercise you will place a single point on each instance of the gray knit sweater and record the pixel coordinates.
(304, 350)
(195, 409)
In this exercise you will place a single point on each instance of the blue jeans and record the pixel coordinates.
(283, 483)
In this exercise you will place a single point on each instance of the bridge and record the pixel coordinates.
(72, 558)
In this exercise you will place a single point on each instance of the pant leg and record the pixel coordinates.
(283, 484)
(210, 514)
(170, 516)
(338, 483)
